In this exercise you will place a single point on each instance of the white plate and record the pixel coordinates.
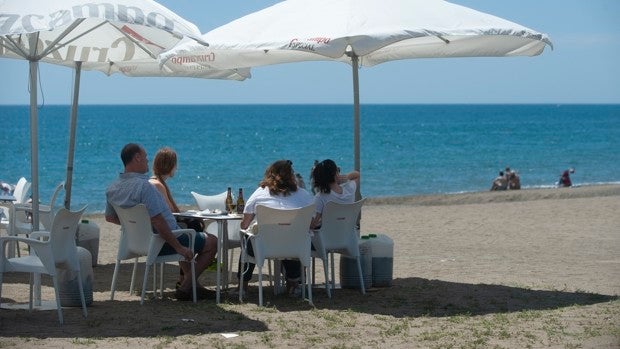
(208, 212)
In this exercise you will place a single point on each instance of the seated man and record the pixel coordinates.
(500, 182)
(133, 188)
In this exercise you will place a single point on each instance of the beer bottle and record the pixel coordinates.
(240, 202)
(229, 200)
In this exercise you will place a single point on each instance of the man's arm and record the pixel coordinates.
(159, 223)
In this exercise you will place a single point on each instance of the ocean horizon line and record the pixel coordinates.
(558, 104)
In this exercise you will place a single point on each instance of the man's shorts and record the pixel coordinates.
(199, 244)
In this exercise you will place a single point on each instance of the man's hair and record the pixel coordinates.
(129, 151)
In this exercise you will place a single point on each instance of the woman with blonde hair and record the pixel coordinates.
(164, 167)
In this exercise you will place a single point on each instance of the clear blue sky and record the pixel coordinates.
(583, 67)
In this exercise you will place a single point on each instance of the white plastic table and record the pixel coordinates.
(222, 232)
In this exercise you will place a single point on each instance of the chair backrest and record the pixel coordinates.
(284, 232)
(211, 202)
(136, 231)
(21, 191)
(57, 190)
(63, 235)
(338, 222)
(47, 218)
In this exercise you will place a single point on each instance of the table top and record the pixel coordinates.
(7, 198)
(196, 214)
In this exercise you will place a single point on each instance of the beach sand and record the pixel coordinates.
(514, 269)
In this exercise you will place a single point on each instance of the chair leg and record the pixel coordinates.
(161, 280)
(308, 274)
(272, 278)
(313, 268)
(193, 268)
(146, 276)
(133, 276)
(326, 273)
(1, 277)
(31, 292)
(277, 276)
(303, 281)
(58, 306)
(260, 285)
(333, 268)
(113, 287)
(229, 266)
(82, 297)
(359, 270)
(155, 280)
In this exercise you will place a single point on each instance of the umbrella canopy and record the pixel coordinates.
(114, 36)
(362, 32)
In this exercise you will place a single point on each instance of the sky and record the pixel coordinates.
(582, 67)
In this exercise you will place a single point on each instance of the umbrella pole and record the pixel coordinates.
(34, 144)
(34, 165)
(72, 128)
(356, 118)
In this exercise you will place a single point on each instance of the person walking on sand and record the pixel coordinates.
(133, 188)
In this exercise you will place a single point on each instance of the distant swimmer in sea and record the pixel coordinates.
(500, 182)
(565, 178)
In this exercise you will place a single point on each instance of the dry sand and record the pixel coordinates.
(515, 269)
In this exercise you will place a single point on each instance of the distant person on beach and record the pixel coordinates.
(6, 188)
(133, 188)
(514, 182)
(565, 178)
(500, 182)
(330, 185)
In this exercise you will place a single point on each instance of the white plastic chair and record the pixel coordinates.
(137, 240)
(58, 251)
(280, 234)
(337, 235)
(20, 193)
(231, 240)
(47, 212)
(18, 217)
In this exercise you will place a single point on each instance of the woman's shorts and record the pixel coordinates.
(199, 244)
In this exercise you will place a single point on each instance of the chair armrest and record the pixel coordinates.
(28, 241)
(40, 234)
(252, 230)
(191, 233)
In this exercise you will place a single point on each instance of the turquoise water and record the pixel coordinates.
(405, 149)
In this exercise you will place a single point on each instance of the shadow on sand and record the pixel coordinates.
(407, 297)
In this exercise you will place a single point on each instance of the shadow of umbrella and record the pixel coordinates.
(118, 36)
(362, 32)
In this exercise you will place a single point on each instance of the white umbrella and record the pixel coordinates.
(123, 36)
(362, 32)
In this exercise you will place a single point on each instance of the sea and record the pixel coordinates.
(405, 149)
